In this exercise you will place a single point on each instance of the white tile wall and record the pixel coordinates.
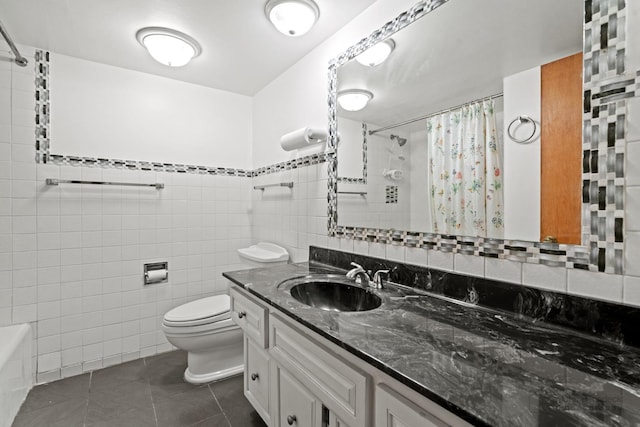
(71, 257)
(293, 218)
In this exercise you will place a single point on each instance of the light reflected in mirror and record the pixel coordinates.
(516, 58)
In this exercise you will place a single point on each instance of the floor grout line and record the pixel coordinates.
(219, 405)
(153, 404)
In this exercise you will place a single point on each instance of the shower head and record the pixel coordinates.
(401, 141)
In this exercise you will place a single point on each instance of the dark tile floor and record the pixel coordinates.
(145, 392)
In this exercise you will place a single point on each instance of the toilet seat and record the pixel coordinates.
(205, 311)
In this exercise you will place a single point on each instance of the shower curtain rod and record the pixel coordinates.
(20, 60)
(486, 98)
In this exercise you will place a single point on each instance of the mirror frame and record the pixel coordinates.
(363, 179)
(606, 88)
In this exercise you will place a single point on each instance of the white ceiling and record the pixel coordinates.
(241, 51)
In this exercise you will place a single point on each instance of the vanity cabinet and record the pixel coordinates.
(394, 410)
(252, 316)
(340, 386)
(295, 377)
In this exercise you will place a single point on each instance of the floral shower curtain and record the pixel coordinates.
(465, 171)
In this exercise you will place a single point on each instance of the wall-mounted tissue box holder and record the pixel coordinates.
(302, 138)
(156, 272)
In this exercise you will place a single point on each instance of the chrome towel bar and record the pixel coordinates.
(361, 193)
(281, 184)
(53, 181)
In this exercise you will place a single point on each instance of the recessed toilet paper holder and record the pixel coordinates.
(156, 272)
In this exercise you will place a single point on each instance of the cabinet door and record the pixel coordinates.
(256, 378)
(339, 386)
(250, 316)
(393, 410)
(297, 406)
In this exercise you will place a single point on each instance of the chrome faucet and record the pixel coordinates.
(359, 274)
(363, 276)
(377, 279)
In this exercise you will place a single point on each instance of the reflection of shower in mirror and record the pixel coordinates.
(401, 141)
(393, 174)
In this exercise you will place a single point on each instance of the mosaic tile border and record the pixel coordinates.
(391, 194)
(43, 155)
(42, 106)
(606, 90)
(363, 180)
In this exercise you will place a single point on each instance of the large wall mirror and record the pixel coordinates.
(471, 134)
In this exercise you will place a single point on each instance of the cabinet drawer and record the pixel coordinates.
(256, 378)
(394, 410)
(339, 386)
(250, 316)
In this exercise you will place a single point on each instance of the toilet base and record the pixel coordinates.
(212, 376)
(221, 358)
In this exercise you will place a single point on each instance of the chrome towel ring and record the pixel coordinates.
(521, 121)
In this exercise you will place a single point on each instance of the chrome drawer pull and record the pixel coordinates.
(291, 419)
(241, 314)
(254, 376)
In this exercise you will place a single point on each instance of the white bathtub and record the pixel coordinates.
(15, 370)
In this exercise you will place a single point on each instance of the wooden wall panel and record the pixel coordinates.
(561, 149)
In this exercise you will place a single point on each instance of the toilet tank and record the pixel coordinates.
(263, 254)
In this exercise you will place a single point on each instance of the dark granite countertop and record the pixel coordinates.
(486, 366)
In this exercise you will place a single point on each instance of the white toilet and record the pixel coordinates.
(213, 341)
(204, 328)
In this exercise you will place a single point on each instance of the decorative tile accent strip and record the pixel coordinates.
(606, 90)
(391, 194)
(42, 106)
(604, 39)
(313, 159)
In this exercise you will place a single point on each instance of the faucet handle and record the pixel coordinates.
(354, 271)
(377, 279)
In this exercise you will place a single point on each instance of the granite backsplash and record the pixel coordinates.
(612, 322)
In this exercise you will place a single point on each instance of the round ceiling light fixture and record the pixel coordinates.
(167, 46)
(377, 53)
(354, 99)
(292, 17)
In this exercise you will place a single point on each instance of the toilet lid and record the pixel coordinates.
(205, 308)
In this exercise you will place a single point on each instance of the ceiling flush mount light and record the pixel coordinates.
(354, 99)
(377, 53)
(167, 46)
(292, 17)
